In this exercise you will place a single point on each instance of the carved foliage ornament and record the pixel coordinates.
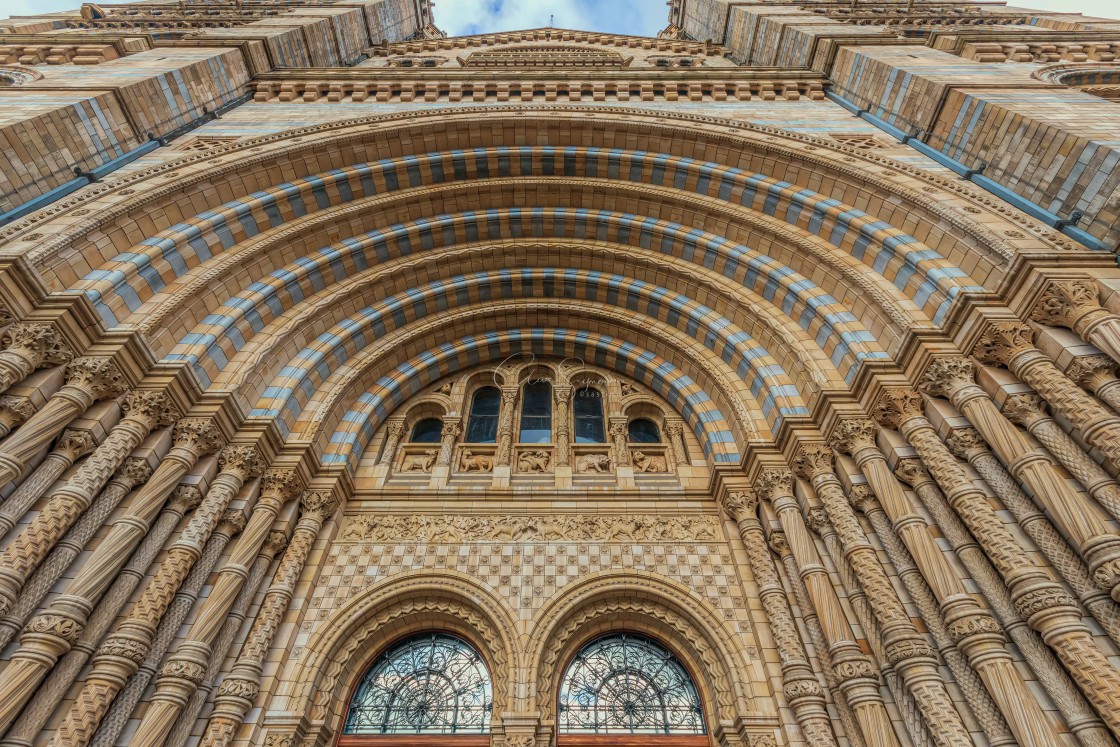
(199, 435)
(98, 376)
(246, 461)
(153, 407)
(318, 504)
(739, 504)
(773, 483)
(944, 376)
(853, 434)
(1002, 341)
(1064, 301)
(896, 406)
(37, 342)
(280, 484)
(812, 460)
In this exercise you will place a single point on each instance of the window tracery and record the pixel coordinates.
(628, 684)
(432, 683)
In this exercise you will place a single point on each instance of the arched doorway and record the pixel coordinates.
(427, 689)
(626, 690)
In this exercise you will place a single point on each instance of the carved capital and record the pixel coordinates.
(232, 522)
(618, 429)
(6, 316)
(1090, 371)
(451, 429)
(244, 461)
(1063, 302)
(154, 409)
(281, 485)
(199, 435)
(319, 505)
(1002, 341)
(912, 472)
(395, 429)
(861, 498)
(75, 444)
(895, 406)
(19, 409)
(1024, 409)
(739, 504)
(38, 342)
(133, 472)
(275, 542)
(280, 740)
(812, 460)
(944, 376)
(773, 483)
(98, 376)
(779, 545)
(853, 434)
(965, 443)
(818, 521)
(185, 498)
(674, 429)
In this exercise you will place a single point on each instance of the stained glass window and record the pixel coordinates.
(628, 684)
(427, 431)
(643, 431)
(429, 684)
(536, 413)
(588, 409)
(482, 428)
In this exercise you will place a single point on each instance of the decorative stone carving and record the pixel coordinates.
(600, 463)
(534, 460)
(946, 375)
(371, 528)
(1002, 341)
(471, 462)
(647, 463)
(98, 376)
(420, 462)
(1064, 302)
(13, 412)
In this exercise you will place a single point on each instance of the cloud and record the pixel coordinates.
(639, 17)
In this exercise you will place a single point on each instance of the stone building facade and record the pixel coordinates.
(753, 385)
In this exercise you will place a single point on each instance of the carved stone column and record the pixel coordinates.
(1029, 411)
(1009, 344)
(240, 687)
(966, 444)
(62, 677)
(800, 684)
(1038, 597)
(134, 472)
(184, 727)
(1077, 516)
(620, 443)
(1097, 374)
(186, 668)
(87, 380)
(141, 412)
(50, 634)
(1077, 711)
(504, 453)
(904, 646)
(970, 626)
(121, 654)
(1074, 304)
(674, 429)
(451, 431)
(394, 430)
(231, 524)
(72, 445)
(987, 713)
(27, 347)
(14, 411)
(562, 416)
(854, 671)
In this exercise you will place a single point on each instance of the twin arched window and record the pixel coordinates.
(643, 431)
(587, 407)
(536, 413)
(482, 427)
(427, 431)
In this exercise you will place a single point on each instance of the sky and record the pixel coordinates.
(639, 17)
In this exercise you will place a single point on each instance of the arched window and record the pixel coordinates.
(643, 431)
(628, 684)
(482, 428)
(588, 409)
(536, 413)
(428, 684)
(427, 431)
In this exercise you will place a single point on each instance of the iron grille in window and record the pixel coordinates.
(627, 684)
(428, 684)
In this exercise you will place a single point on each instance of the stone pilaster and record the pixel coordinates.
(904, 646)
(619, 441)
(1081, 520)
(1009, 344)
(27, 347)
(14, 411)
(799, 683)
(504, 454)
(1075, 304)
(451, 431)
(674, 429)
(240, 687)
(971, 627)
(87, 380)
(854, 671)
(132, 473)
(394, 430)
(1097, 374)
(62, 677)
(1038, 597)
(562, 417)
(141, 412)
(185, 669)
(1076, 710)
(50, 634)
(121, 654)
(1029, 411)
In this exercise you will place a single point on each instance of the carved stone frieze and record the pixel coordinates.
(371, 528)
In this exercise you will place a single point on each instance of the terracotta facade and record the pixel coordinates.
(786, 340)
